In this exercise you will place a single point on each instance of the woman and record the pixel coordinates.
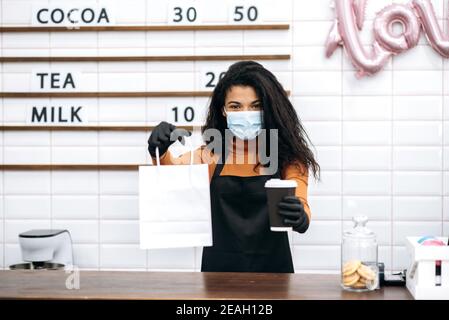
(246, 100)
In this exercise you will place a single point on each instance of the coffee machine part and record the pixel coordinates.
(45, 249)
(394, 279)
(36, 266)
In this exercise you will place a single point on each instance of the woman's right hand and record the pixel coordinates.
(163, 136)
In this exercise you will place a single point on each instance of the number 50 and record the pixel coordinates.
(251, 13)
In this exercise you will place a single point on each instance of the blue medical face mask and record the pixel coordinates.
(245, 125)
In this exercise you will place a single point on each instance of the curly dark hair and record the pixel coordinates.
(278, 112)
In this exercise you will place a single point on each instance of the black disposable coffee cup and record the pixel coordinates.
(276, 190)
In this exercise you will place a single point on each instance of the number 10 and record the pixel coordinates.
(189, 114)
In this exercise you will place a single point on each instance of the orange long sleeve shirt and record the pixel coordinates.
(245, 169)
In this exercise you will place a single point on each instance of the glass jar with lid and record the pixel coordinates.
(359, 249)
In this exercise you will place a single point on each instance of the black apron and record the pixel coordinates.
(242, 239)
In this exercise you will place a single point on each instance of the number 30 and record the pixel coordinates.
(191, 14)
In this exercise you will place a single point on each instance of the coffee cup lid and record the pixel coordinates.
(278, 183)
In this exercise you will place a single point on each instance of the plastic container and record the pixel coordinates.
(359, 254)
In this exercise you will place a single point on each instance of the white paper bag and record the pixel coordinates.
(174, 206)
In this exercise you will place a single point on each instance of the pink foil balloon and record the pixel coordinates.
(344, 31)
(333, 40)
(359, 11)
(383, 26)
(436, 37)
(350, 15)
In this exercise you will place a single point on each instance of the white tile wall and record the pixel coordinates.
(113, 231)
(19, 207)
(316, 257)
(379, 85)
(2, 257)
(326, 157)
(162, 259)
(366, 183)
(367, 108)
(419, 58)
(418, 108)
(418, 82)
(417, 133)
(110, 155)
(382, 141)
(417, 158)
(71, 207)
(401, 229)
(384, 255)
(14, 227)
(324, 133)
(118, 182)
(417, 208)
(326, 207)
(445, 208)
(330, 184)
(122, 256)
(33, 155)
(82, 155)
(312, 58)
(315, 83)
(81, 231)
(119, 207)
(376, 208)
(381, 228)
(318, 108)
(26, 182)
(310, 33)
(70, 138)
(12, 254)
(358, 133)
(86, 256)
(72, 182)
(366, 158)
(314, 236)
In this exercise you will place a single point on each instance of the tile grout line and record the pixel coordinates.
(195, 86)
(3, 156)
(316, 70)
(51, 172)
(377, 145)
(443, 162)
(292, 39)
(442, 130)
(146, 115)
(392, 148)
(98, 160)
(342, 197)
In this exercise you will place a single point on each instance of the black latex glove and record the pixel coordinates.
(163, 136)
(292, 210)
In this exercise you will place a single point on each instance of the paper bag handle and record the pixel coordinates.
(191, 151)
(158, 161)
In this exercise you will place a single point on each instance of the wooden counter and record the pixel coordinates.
(46, 284)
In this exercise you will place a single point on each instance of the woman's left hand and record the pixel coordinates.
(292, 210)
